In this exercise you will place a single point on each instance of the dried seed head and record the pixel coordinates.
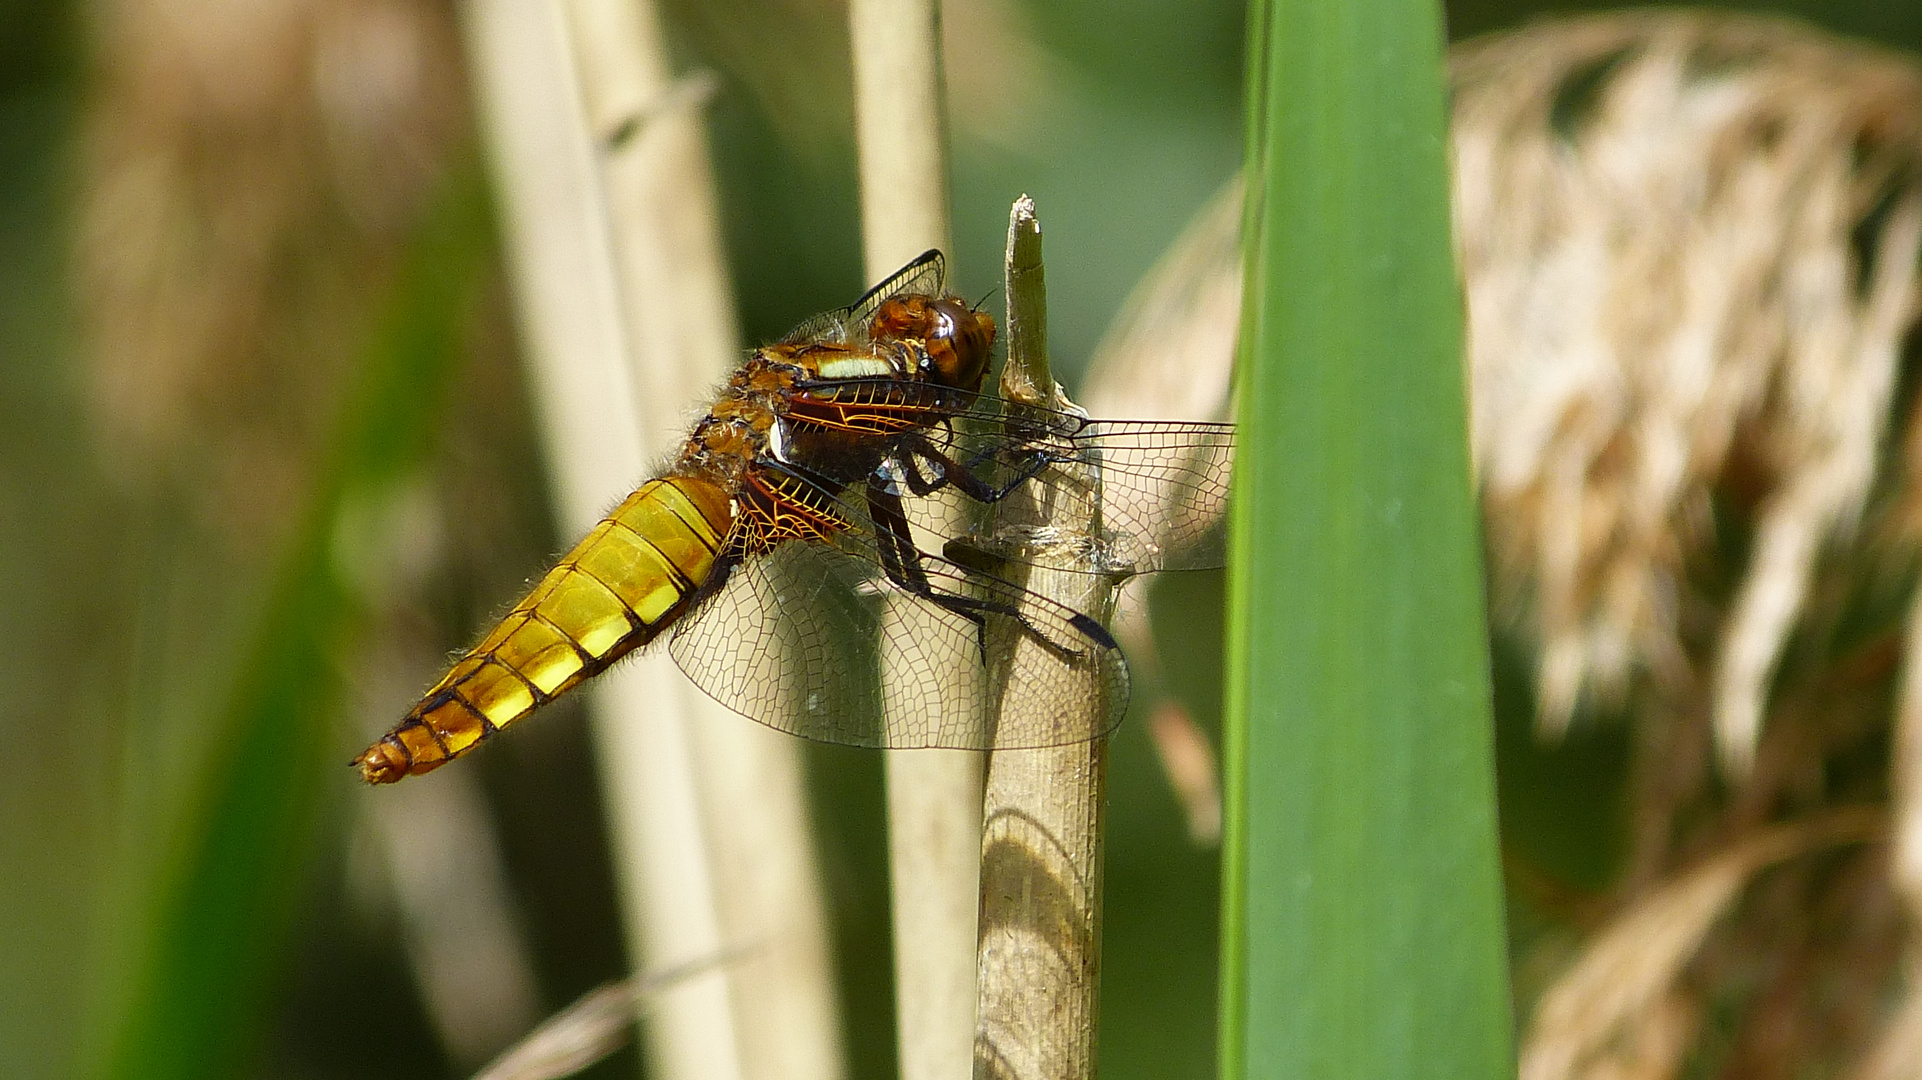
(1689, 244)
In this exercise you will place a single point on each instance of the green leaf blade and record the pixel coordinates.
(1363, 926)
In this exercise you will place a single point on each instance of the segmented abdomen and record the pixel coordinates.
(622, 585)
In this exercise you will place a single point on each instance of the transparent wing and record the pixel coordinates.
(813, 639)
(1157, 493)
(927, 275)
(1159, 504)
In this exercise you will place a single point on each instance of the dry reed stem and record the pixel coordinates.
(568, 295)
(1906, 770)
(900, 130)
(579, 1036)
(444, 875)
(470, 961)
(681, 332)
(1169, 355)
(934, 796)
(1629, 970)
(1044, 809)
(1188, 758)
(597, 1024)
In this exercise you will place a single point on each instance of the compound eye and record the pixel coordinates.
(958, 341)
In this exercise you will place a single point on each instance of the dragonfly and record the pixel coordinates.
(839, 549)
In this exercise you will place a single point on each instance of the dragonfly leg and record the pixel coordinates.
(901, 562)
(917, 448)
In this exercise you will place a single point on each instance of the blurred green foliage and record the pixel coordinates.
(1145, 129)
(55, 549)
(207, 952)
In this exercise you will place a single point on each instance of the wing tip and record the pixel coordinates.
(1093, 630)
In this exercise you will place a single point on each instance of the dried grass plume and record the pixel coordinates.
(1689, 244)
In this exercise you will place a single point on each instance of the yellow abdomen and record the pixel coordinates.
(620, 586)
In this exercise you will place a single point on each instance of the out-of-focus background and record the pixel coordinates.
(214, 214)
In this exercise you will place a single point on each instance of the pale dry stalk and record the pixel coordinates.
(1045, 809)
(597, 1024)
(568, 296)
(747, 778)
(1898, 1051)
(1169, 354)
(934, 796)
(1899, 1046)
(571, 1040)
(471, 963)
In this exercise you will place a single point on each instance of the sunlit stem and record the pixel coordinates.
(934, 796)
(1044, 810)
(741, 824)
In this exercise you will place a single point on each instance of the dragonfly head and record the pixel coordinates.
(955, 338)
